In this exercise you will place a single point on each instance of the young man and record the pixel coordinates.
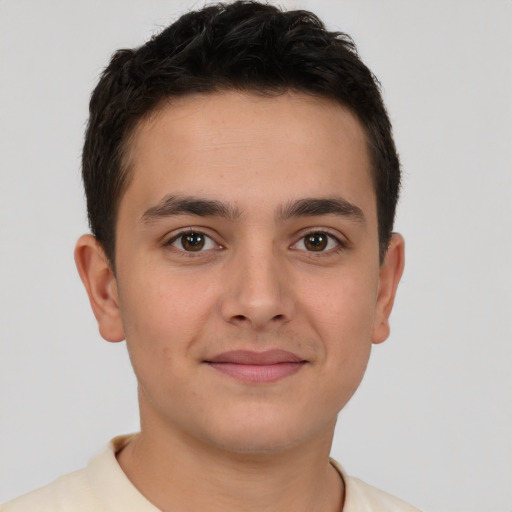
(241, 183)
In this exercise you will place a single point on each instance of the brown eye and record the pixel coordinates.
(316, 241)
(192, 241)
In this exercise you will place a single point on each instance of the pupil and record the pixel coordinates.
(316, 242)
(193, 241)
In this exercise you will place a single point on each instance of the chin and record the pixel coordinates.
(256, 443)
(264, 435)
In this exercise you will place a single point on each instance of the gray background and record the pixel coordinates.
(432, 420)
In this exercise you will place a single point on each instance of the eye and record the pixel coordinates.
(318, 241)
(192, 241)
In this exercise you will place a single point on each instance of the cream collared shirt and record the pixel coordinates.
(103, 487)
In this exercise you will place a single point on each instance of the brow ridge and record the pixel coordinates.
(172, 205)
(311, 207)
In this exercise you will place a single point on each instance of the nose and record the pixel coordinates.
(258, 293)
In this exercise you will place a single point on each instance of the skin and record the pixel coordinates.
(256, 285)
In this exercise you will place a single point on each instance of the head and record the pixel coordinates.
(241, 182)
(244, 46)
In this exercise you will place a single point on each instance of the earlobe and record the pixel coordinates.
(100, 283)
(390, 273)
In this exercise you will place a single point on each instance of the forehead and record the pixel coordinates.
(239, 145)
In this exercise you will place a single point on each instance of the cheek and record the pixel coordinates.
(342, 315)
(163, 314)
(341, 304)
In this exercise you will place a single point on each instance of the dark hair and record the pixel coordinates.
(245, 46)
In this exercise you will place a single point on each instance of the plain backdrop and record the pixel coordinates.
(432, 421)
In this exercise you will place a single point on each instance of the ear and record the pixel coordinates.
(390, 273)
(100, 282)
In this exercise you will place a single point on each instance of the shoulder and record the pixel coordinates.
(70, 492)
(361, 497)
(365, 497)
(101, 486)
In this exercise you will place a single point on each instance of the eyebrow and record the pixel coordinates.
(311, 207)
(188, 205)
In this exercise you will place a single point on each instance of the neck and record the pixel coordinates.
(176, 472)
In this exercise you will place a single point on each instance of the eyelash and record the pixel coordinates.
(340, 244)
(190, 231)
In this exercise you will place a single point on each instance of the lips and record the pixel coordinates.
(257, 367)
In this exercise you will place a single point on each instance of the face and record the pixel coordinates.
(248, 283)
